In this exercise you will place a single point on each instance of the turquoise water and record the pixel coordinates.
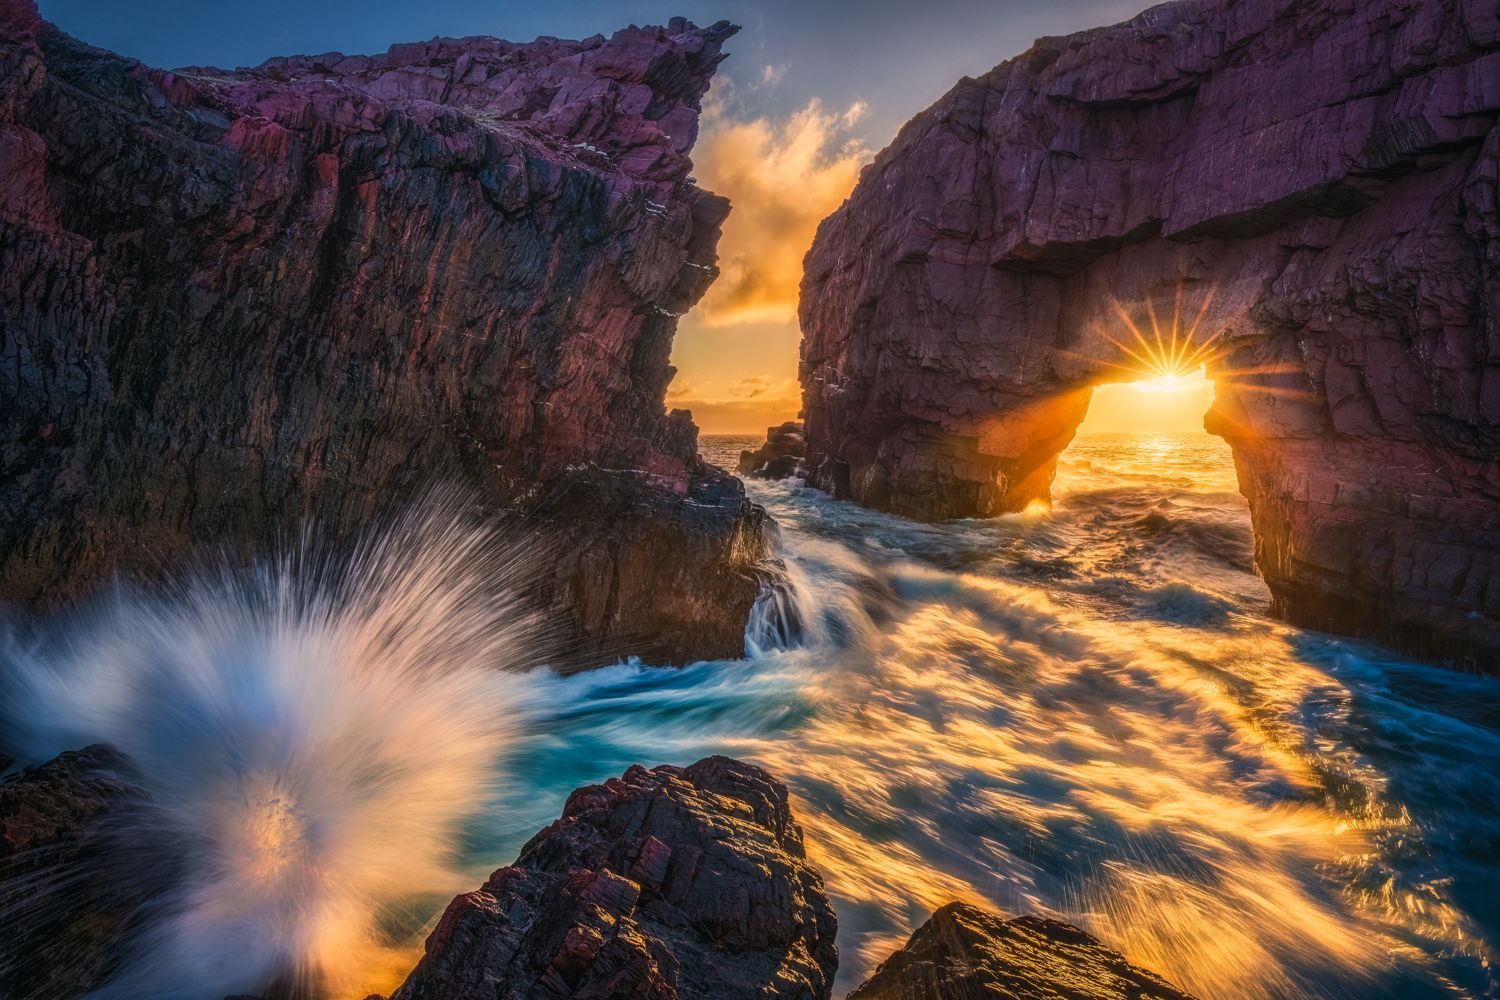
(1084, 713)
(1081, 712)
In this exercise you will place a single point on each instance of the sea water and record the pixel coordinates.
(1083, 712)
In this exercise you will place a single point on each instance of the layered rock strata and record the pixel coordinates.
(232, 303)
(1305, 191)
(667, 884)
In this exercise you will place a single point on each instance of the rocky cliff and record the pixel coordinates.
(234, 302)
(1305, 190)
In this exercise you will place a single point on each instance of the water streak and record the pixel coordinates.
(1082, 712)
(1086, 713)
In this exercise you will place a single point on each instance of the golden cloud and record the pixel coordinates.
(747, 406)
(782, 177)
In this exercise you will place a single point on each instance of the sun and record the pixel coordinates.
(1165, 357)
(1183, 382)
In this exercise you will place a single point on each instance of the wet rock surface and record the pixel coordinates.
(234, 302)
(70, 897)
(629, 562)
(780, 457)
(1311, 187)
(964, 952)
(669, 883)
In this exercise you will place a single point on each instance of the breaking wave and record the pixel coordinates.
(311, 733)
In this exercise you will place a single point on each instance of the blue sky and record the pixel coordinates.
(810, 91)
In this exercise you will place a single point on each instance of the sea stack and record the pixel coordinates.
(1310, 189)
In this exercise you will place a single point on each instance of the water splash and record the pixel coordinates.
(311, 733)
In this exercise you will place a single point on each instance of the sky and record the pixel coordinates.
(810, 92)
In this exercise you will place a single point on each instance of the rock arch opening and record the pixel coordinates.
(1349, 222)
(1151, 429)
(1164, 404)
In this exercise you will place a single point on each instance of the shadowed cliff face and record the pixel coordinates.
(1309, 188)
(232, 302)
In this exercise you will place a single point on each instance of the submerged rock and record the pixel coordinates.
(234, 302)
(963, 952)
(68, 898)
(666, 884)
(1313, 185)
(780, 457)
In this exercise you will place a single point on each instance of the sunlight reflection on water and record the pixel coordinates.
(1086, 714)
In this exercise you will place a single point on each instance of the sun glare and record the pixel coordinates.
(1172, 358)
(1159, 384)
(1171, 383)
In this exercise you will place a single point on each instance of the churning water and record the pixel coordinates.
(1082, 713)
(1086, 713)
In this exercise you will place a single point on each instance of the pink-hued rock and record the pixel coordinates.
(670, 884)
(233, 302)
(1317, 179)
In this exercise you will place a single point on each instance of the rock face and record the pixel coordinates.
(781, 456)
(233, 302)
(667, 884)
(67, 899)
(1309, 188)
(964, 952)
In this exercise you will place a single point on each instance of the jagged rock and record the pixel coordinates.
(963, 952)
(667, 884)
(780, 457)
(1318, 179)
(69, 897)
(629, 561)
(234, 302)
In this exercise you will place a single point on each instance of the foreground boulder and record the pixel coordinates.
(666, 884)
(69, 898)
(963, 952)
(780, 457)
(235, 302)
(1308, 191)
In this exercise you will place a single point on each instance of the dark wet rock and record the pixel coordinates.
(963, 952)
(1317, 179)
(666, 884)
(232, 302)
(629, 567)
(69, 898)
(780, 457)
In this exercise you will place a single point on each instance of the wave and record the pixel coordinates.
(312, 733)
